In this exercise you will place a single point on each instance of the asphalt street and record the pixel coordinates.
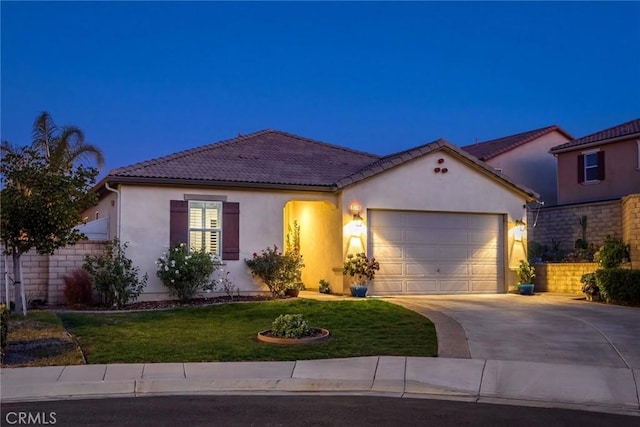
(307, 410)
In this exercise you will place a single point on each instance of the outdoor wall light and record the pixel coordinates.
(521, 225)
(355, 208)
(357, 220)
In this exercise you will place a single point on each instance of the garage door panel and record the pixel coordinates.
(484, 270)
(453, 269)
(387, 286)
(484, 222)
(384, 219)
(421, 286)
(484, 253)
(486, 239)
(420, 253)
(416, 269)
(453, 253)
(384, 236)
(483, 286)
(454, 286)
(389, 252)
(390, 269)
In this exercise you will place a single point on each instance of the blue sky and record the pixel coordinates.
(145, 79)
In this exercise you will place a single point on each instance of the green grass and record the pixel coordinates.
(228, 332)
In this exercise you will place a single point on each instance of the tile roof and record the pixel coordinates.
(271, 158)
(265, 157)
(629, 128)
(488, 149)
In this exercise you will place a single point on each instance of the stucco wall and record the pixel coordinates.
(561, 223)
(145, 225)
(622, 175)
(415, 186)
(561, 277)
(532, 166)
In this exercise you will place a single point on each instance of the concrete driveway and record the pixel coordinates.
(540, 328)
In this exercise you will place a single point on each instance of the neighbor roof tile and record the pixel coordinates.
(629, 128)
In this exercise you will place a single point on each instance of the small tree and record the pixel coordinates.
(277, 270)
(114, 275)
(41, 205)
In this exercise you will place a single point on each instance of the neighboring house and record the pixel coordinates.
(525, 158)
(438, 220)
(602, 166)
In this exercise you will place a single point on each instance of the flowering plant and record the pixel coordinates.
(277, 270)
(361, 268)
(186, 272)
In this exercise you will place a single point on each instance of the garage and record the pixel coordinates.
(436, 252)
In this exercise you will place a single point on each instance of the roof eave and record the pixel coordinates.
(212, 183)
(594, 143)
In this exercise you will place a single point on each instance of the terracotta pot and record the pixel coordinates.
(292, 292)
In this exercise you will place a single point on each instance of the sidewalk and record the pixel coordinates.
(594, 388)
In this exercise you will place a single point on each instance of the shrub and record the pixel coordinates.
(325, 287)
(290, 326)
(525, 271)
(612, 253)
(277, 270)
(4, 330)
(77, 288)
(619, 285)
(589, 285)
(186, 272)
(114, 275)
(360, 268)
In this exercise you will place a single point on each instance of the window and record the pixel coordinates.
(591, 167)
(213, 225)
(205, 226)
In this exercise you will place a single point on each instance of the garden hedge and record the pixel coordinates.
(619, 285)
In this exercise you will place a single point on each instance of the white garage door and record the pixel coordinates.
(436, 253)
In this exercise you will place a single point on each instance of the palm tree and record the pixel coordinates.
(65, 147)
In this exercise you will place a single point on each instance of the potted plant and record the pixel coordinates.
(526, 272)
(362, 270)
(590, 287)
(293, 289)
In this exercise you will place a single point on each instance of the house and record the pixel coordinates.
(437, 219)
(525, 158)
(602, 166)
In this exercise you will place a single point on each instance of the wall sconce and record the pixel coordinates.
(357, 220)
(355, 208)
(518, 232)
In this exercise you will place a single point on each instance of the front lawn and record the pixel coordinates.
(228, 332)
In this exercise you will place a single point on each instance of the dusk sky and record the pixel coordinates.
(146, 79)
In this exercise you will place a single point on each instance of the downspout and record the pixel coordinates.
(108, 187)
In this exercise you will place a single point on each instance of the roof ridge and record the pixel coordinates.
(327, 144)
(602, 135)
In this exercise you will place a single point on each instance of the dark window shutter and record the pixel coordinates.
(580, 168)
(601, 165)
(179, 222)
(230, 230)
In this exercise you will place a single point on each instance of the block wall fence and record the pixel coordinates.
(42, 274)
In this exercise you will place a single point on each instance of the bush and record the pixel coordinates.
(290, 326)
(612, 253)
(277, 270)
(619, 285)
(360, 268)
(325, 287)
(4, 330)
(525, 272)
(114, 275)
(186, 272)
(589, 285)
(77, 288)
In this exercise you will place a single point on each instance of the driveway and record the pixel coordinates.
(540, 328)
